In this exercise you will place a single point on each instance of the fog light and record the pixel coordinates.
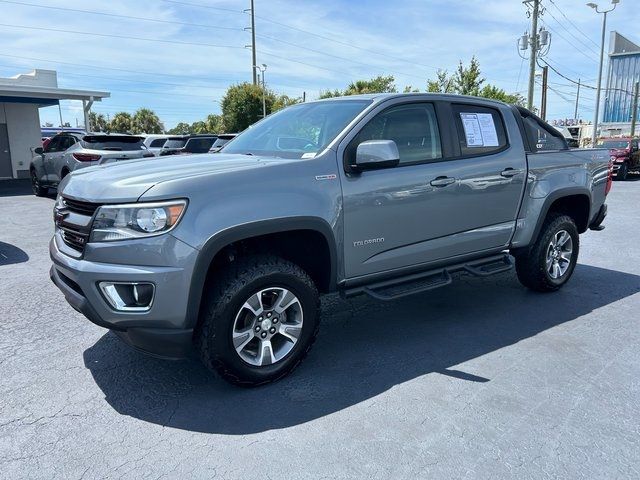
(128, 297)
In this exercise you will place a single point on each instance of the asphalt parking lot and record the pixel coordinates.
(481, 379)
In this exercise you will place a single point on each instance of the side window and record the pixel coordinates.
(157, 143)
(480, 129)
(54, 145)
(541, 137)
(413, 127)
(67, 142)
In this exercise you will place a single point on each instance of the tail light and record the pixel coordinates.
(86, 157)
(148, 155)
(609, 178)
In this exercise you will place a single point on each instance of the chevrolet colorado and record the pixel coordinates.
(385, 195)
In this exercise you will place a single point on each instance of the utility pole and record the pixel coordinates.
(537, 42)
(253, 44)
(575, 113)
(533, 51)
(543, 103)
(634, 112)
(262, 69)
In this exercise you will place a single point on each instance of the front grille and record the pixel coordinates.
(74, 235)
(83, 208)
(76, 240)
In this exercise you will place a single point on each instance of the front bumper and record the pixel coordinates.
(160, 331)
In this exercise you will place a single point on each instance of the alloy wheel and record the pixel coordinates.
(268, 326)
(559, 254)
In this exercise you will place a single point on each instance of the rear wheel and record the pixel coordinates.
(36, 187)
(623, 172)
(549, 263)
(261, 318)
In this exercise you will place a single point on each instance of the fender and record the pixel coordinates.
(245, 231)
(556, 195)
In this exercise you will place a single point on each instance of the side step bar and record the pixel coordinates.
(424, 281)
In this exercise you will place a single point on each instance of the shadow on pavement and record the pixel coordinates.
(364, 348)
(10, 254)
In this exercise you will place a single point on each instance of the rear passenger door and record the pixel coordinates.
(456, 190)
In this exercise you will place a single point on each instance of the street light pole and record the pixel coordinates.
(599, 87)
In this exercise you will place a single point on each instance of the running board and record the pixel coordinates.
(424, 281)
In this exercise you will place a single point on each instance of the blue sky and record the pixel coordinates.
(186, 53)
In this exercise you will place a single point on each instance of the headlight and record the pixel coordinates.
(121, 222)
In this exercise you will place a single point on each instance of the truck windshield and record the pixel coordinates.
(614, 144)
(299, 131)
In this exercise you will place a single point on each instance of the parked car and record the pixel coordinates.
(68, 152)
(173, 145)
(221, 141)
(49, 132)
(230, 256)
(155, 142)
(624, 153)
(193, 144)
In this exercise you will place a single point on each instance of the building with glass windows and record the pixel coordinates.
(623, 73)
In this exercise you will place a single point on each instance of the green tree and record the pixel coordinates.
(122, 122)
(214, 124)
(379, 84)
(242, 106)
(283, 101)
(443, 83)
(331, 93)
(496, 93)
(146, 121)
(98, 122)
(468, 80)
(181, 128)
(199, 127)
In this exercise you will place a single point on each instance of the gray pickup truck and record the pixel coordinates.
(385, 195)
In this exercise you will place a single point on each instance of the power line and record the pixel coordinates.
(127, 17)
(584, 85)
(572, 35)
(578, 49)
(573, 24)
(126, 37)
(329, 39)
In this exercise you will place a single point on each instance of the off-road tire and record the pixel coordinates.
(225, 295)
(36, 187)
(623, 172)
(531, 262)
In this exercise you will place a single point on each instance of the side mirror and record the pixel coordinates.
(38, 150)
(374, 154)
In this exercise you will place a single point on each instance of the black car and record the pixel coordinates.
(221, 141)
(188, 144)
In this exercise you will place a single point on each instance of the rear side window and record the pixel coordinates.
(173, 143)
(480, 129)
(413, 127)
(157, 143)
(199, 145)
(542, 137)
(115, 143)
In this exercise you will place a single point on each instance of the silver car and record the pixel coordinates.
(68, 152)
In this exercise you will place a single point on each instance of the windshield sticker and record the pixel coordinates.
(479, 129)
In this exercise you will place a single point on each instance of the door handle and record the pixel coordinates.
(442, 181)
(510, 172)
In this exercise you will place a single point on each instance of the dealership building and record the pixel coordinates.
(622, 75)
(21, 97)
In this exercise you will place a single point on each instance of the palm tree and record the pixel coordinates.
(146, 121)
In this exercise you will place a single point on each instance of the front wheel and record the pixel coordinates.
(262, 316)
(36, 187)
(549, 263)
(623, 172)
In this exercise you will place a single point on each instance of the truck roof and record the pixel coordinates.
(378, 97)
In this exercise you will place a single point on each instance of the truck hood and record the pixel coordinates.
(127, 181)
